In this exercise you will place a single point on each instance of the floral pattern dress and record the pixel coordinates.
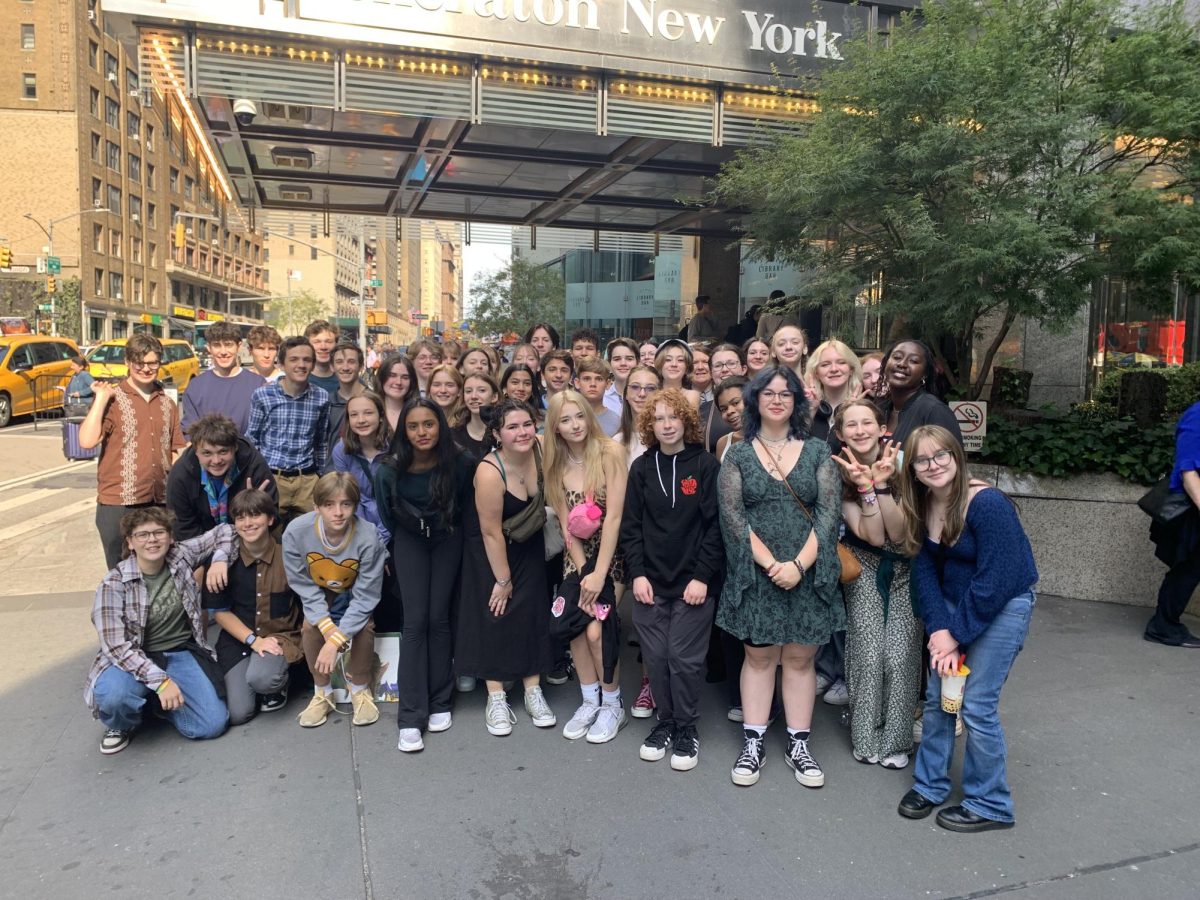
(752, 608)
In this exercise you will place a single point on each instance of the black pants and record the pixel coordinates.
(831, 658)
(674, 640)
(428, 575)
(108, 524)
(1176, 590)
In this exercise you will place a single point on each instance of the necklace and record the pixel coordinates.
(573, 460)
(777, 442)
(509, 465)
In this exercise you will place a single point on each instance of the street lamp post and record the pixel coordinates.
(49, 232)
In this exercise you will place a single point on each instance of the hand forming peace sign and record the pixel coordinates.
(855, 471)
(884, 467)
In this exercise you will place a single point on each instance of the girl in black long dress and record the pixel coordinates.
(504, 620)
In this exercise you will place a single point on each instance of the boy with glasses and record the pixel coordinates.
(153, 647)
(136, 426)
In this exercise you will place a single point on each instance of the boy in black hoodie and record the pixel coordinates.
(671, 538)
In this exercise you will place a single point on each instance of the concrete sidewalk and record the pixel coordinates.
(1102, 731)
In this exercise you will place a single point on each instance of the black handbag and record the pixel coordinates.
(1163, 505)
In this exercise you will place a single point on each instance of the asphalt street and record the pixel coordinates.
(1102, 729)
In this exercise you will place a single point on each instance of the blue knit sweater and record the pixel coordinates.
(989, 564)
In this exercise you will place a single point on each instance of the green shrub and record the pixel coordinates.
(1183, 389)
(1082, 442)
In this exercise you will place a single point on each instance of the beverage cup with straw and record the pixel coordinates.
(952, 687)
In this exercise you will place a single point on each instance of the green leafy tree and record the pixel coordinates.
(517, 296)
(22, 296)
(990, 160)
(290, 315)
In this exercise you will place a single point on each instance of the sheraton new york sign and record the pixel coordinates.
(751, 35)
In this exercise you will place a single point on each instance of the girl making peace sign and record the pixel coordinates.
(883, 634)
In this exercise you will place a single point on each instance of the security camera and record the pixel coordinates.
(244, 111)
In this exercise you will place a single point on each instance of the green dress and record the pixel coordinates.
(752, 608)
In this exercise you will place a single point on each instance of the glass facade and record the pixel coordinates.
(1124, 334)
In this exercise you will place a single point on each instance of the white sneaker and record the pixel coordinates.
(410, 741)
(735, 714)
(611, 720)
(894, 761)
(499, 716)
(838, 694)
(440, 722)
(539, 710)
(581, 721)
(918, 730)
(869, 760)
(465, 684)
(823, 683)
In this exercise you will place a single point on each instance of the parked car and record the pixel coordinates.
(34, 369)
(179, 363)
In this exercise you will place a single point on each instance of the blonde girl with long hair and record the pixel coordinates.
(446, 390)
(835, 376)
(974, 573)
(582, 463)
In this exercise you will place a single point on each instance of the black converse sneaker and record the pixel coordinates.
(686, 753)
(655, 746)
(750, 760)
(800, 761)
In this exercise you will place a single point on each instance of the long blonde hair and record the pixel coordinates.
(853, 382)
(457, 412)
(914, 496)
(595, 446)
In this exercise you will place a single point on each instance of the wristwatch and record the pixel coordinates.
(251, 638)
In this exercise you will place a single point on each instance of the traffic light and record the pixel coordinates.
(51, 286)
(5, 257)
(179, 234)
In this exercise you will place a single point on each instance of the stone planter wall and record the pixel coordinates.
(1090, 539)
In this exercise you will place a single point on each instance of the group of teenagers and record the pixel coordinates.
(802, 520)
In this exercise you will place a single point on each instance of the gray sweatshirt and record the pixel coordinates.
(349, 582)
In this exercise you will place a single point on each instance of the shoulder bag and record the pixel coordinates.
(851, 567)
(532, 519)
(1163, 505)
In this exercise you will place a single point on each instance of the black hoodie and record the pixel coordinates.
(670, 528)
(185, 493)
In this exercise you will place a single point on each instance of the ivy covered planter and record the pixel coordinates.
(1090, 539)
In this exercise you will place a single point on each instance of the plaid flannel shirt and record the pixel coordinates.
(290, 432)
(123, 603)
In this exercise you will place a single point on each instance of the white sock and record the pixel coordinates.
(760, 730)
(612, 698)
(356, 687)
(325, 689)
(591, 693)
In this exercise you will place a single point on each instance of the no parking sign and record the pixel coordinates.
(972, 422)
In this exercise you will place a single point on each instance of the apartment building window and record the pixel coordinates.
(29, 86)
(98, 238)
(153, 256)
(94, 102)
(27, 40)
(95, 147)
(97, 192)
(149, 137)
(114, 199)
(154, 293)
(291, 250)
(116, 285)
(114, 243)
(151, 209)
(113, 155)
(133, 124)
(291, 229)
(112, 112)
(189, 186)
(174, 180)
(94, 55)
(135, 249)
(98, 282)
(136, 284)
(312, 252)
(202, 230)
(151, 180)
(135, 167)
(120, 329)
(312, 232)
(110, 64)
(131, 80)
(135, 208)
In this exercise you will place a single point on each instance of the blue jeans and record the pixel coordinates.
(985, 779)
(120, 698)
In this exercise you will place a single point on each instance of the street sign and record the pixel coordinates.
(41, 265)
(417, 317)
(369, 302)
(375, 282)
(972, 422)
(53, 265)
(45, 308)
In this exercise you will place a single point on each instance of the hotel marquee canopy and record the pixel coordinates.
(599, 114)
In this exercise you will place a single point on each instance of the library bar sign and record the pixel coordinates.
(757, 36)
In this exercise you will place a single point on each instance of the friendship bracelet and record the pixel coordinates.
(866, 490)
(162, 687)
(869, 499)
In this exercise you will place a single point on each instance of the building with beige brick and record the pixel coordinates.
(110, 167)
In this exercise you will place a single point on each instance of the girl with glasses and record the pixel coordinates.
(641, 383)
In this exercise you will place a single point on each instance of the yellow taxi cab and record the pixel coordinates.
(34, 369)
(179, 362)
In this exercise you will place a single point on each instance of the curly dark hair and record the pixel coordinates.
(752, 421)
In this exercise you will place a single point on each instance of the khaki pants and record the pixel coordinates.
(295, 495)
(358, 660)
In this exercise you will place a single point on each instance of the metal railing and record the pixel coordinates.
(49, 392)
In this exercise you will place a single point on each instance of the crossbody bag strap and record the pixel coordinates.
(775, 461)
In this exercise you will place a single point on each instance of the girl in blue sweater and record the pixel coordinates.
(974, 575)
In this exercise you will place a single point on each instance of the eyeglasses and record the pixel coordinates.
(643, 388)
(143, 537)
(145, 365)
(725, 364)
(939, 459)
(785, 396)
